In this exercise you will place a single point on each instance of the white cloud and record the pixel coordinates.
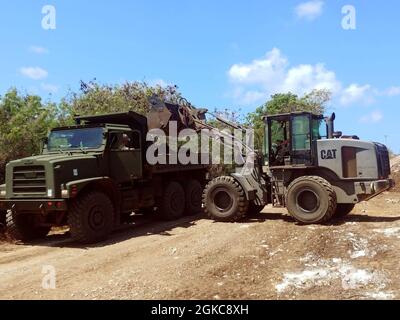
(38, 50)
(158, 82)
(272, 74)
(356, 93)
(265, 71)
(309, 10)
(305, 78)
(392, 91)
(51, 88)
(373, 117)
(249, 97)
(34, 73)
(254, 82)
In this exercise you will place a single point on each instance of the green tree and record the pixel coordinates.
(94, 98)
(24, 123)
(314, 102)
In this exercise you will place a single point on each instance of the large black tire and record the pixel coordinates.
(91, 217)
(3, 220)
(193, 197)
(23, 227)
(254, 209)
(343, 209)
(224, 200)
(311, 199)
(172, 202)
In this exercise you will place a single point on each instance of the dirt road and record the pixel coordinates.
(267, 257)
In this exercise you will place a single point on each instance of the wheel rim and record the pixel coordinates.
(96, 218)
(308, 201)
(223, 200)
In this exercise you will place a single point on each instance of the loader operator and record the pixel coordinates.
(282, 151)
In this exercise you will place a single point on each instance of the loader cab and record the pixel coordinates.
(290, 139)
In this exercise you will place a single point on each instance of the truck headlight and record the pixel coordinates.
(3, 193)
(65, 193)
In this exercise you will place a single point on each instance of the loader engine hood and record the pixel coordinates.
(354, 159)
(42, 176)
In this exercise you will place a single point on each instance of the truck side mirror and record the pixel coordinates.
(43, 143)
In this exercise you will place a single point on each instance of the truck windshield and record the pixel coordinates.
(87, 138)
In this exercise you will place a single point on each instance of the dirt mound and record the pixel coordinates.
(395, 163)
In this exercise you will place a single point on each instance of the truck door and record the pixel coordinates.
(125, 156)
(301, 139)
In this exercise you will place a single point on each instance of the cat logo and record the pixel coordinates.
(328, 154)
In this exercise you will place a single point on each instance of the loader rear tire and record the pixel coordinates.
(224, 200)
(173, 202)
(311, 200)
(23, 227)
(343, 209)
(91, 217)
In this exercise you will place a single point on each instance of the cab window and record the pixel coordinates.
(301, 133)
(124, 141)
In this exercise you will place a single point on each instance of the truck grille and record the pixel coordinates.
(383, 161)
(29, 180)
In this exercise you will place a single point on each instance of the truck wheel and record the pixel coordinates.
(173, 202)
(193, 193)
(2, 220)
(311, 199)
(254, 209)
(224, 199)
(91, 217)
(23, 227)
(343, 209)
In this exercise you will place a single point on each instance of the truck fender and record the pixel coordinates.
(74, 187)
(247, 188)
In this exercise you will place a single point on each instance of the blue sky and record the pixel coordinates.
(223, 54)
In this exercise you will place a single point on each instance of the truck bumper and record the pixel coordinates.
(34, 206)
(373, 188)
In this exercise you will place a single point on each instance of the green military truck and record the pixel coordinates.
(92, 176)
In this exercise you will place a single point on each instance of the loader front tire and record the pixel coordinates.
(311, 200)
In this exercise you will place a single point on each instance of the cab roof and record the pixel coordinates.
(131, 119)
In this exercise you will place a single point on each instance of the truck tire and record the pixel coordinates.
(172, 202)
(254, 209)
(91, 217)
(311, 199)
(22, 227)
(224, 200)
(193, 196)
(2, 220)
(343, 209)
